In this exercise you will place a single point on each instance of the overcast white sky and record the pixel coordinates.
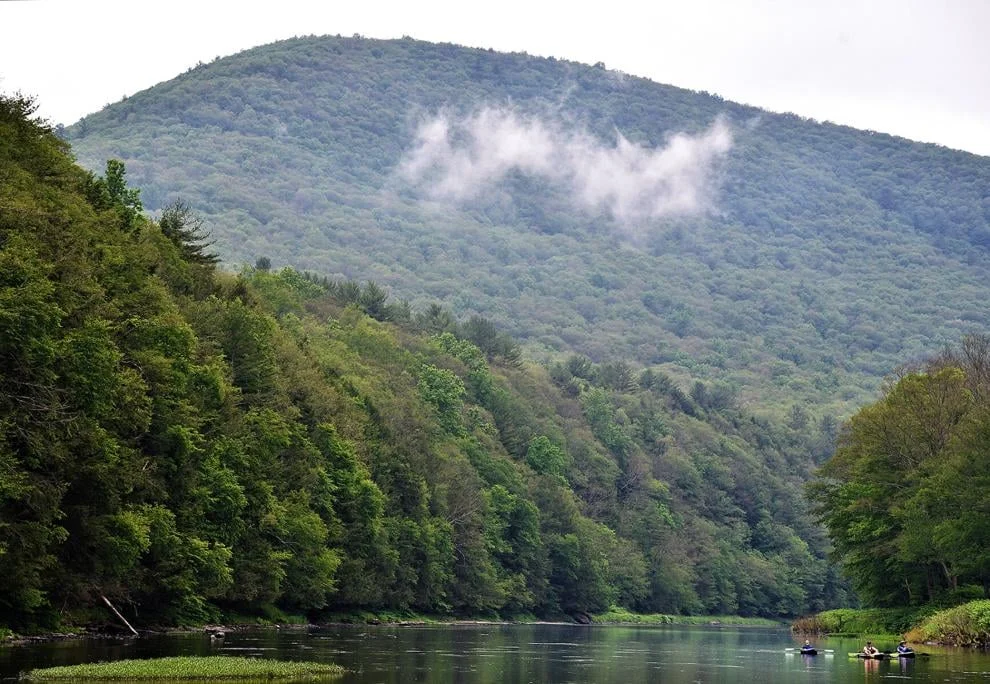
(915, 68)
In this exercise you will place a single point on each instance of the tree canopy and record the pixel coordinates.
(906, 498)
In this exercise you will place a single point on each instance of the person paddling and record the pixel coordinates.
(808, 648)
(904, 649)
(870, 650)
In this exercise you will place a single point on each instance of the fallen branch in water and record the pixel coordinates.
(117, 613)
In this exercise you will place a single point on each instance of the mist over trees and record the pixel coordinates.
(799, 264)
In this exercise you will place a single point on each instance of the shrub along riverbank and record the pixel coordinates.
(860, 621)
(964, 625)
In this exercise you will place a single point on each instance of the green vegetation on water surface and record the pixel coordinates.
(190, 667)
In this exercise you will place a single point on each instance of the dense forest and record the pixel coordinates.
(906, 498)
(806, 261)
(194, 443)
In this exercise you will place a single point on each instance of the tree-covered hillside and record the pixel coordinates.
(791, 261)
(192, 443)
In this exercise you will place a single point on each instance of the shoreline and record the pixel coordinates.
(217, 630)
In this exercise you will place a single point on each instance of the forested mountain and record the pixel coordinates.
(580, 209)
(184, 441)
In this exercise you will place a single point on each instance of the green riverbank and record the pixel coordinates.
(967, 624)
(618, 616)
(234, 622)
(614, 616)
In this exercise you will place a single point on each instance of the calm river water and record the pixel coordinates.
(490, 654)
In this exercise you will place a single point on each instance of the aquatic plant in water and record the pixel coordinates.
(189, 667)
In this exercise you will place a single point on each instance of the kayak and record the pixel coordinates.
(809, 651)
(878, 656)
(906, 654)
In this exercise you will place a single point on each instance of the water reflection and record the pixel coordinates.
(482, 654)
(871, 666)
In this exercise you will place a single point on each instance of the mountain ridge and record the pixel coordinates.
(804, 282)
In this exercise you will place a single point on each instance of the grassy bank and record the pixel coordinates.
(861, 621)
(965, 625)
(211, 667)
(619, 616)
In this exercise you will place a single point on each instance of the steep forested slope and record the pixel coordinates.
(186, 441)
(823, 257)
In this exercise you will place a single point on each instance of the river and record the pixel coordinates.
(491, 654)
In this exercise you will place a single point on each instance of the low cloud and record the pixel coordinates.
(459, 158)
